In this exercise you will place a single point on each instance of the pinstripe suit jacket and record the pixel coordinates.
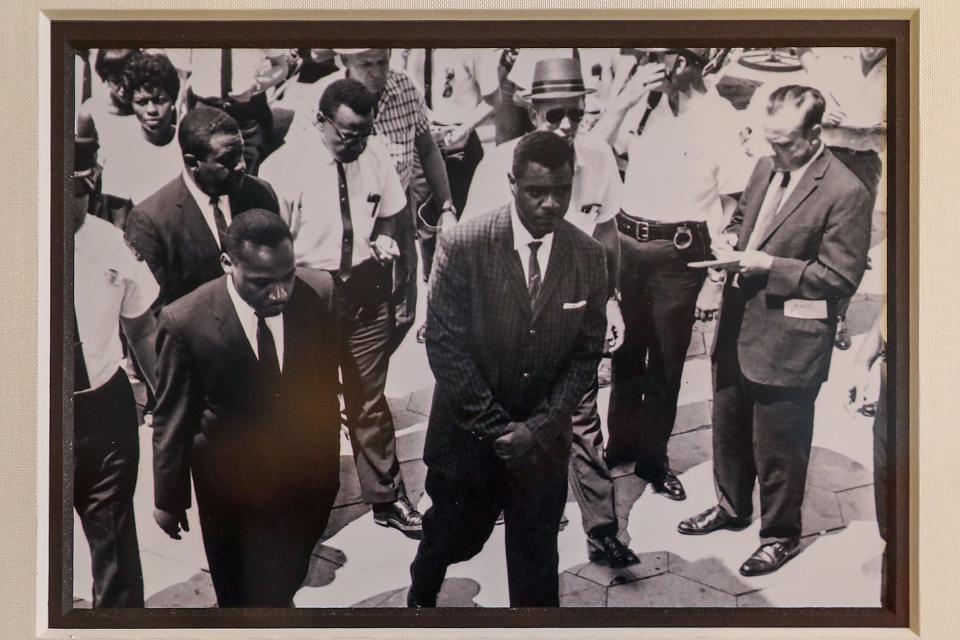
(495, 359)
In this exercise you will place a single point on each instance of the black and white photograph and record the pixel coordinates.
(434, 328)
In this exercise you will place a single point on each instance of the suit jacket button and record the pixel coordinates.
(533, 332)
(526, 375)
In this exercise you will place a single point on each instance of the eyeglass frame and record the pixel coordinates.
(564, 113)
(353, 138)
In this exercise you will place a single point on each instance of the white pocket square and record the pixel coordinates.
(574, 305)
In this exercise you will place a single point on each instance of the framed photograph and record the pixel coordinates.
(700, 420)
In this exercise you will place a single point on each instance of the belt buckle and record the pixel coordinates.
(642, 232)
(682, 237)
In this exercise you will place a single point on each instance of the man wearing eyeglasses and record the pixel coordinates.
(340, 193)
(683, 155)
(556, 103)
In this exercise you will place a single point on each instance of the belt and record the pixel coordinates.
(644, 230)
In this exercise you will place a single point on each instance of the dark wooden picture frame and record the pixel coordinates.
(895, 35)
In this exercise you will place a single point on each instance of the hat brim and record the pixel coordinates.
(555, 95)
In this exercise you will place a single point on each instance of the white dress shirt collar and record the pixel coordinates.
(521, 242)
(248, 320)
(203, 202)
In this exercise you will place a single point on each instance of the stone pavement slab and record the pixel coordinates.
(667, 590)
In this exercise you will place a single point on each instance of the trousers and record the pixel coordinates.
(463, 515)
(106, 453)
(590, 479)
(659, 299)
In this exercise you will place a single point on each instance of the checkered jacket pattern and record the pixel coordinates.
(496, 359)
(401, 117)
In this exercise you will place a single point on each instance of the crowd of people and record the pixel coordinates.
(252, 226)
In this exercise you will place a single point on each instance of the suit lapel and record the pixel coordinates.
(513, 279)
(556, 267)
(808, 184)
(195, 226)
(228, 324)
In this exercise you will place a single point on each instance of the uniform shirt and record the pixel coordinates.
(206, 208)
(133, 167)
(401, 115)
(304, 175)
(596, 183)
(521, 244)
(680, 165)
(467, 75)
(248, 320)
(596, 65)
(109, 283)
(203, 67)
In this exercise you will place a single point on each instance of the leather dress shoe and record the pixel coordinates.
(400, 514)
(417, 602)
(769, 557)
(610, 551)
(668, 485)
(711, 520)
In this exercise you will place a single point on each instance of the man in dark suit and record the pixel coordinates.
(515, 331)
(797, 246)
(179, 230)
(247, 403)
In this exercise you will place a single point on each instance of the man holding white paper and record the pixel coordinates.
(796, 245)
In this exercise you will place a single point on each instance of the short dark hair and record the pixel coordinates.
(349, 92)
(110, 62)
(199, 125)
(256, 226)
(151, 71)
(799, 96)
(544, 148)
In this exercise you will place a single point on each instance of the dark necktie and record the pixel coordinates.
(267, 349)
(81, 380)
(533, 279)
(770, 212)
(428, 78)
(226, 73)
(219, 219)
(346, 246)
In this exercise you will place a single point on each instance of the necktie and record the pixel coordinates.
(428, 78)
(346, 246)
(226, 73)
(81, 380)
(533, 279)
(267, 349)
(769, 213)
(219, 219)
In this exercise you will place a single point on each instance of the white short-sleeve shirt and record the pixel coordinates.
(597, 189)
(680, 165)
(460, 79)
(304, 175)
(109, 283)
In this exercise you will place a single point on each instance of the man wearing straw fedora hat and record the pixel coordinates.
(556, 103)
(684, 160)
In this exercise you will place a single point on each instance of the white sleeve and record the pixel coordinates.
(140, 288)
(394, 198)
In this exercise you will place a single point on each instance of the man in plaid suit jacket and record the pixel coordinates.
(513, 348)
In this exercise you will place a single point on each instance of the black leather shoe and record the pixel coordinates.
(417, 602)
(769, 557)
(710, 520)
(422, 334)
(401, 515)
(610, 551)
(842, 339)
(668, 485)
